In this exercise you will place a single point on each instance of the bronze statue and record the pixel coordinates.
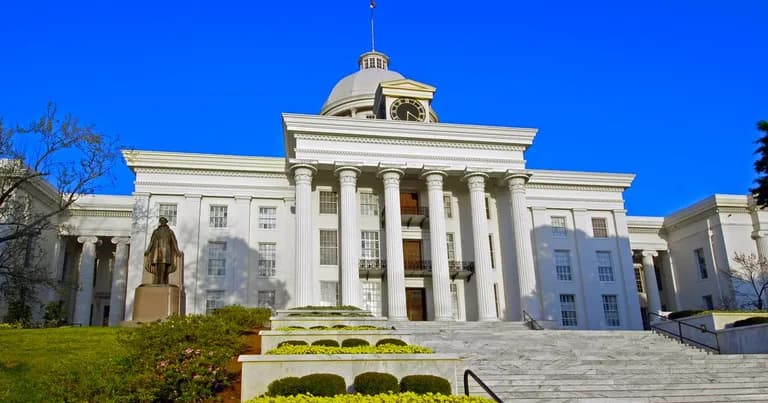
(163, 256)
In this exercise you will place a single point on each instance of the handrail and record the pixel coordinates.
(467, 374)
(531, 322)
(679, 335)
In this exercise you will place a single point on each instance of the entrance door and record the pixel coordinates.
(415, 300)
(409, 203)
(412, 254)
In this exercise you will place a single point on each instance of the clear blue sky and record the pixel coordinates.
(668, 90)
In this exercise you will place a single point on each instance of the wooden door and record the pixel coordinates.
(409, 203)
(412, 254)
(415, 301)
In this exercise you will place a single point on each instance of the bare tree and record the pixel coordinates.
(45, 167)
(750, 277)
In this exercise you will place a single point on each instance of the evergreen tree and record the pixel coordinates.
(761, 166)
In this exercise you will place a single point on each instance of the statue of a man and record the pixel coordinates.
(163, 256)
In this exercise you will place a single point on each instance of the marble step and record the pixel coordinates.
(659, 379)
(700, 388)
(669, 399)
(712, 394)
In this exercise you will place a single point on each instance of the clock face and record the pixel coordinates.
(407, 109)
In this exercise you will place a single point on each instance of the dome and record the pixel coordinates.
(361, 85)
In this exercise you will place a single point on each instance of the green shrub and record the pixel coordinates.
(339, 326)
(319, 327)
(755, 320)
(381, 398)
(422, 384)
(292, 343)
(245, 318)
(285, 387)
(394, 342)
(383, 349)
(374, 383)
(323, 385)
(354, 343)
(326, 342)
(684, 314)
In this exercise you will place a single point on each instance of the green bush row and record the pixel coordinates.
(369, 383)
(298, 349)
(755, 320)
(408, 397)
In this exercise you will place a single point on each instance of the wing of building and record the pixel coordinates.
(377, 204)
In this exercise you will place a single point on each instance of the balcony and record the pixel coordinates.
(372, 268)
(411, 216)
(376, 268)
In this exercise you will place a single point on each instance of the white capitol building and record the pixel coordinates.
(379, 205)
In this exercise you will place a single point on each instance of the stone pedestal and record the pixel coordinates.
(154, 302)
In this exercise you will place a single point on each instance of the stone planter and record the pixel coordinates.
(271, 338)
(327, 321)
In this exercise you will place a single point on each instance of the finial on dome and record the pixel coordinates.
(373, 60)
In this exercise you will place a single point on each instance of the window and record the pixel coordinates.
(371, 296)
(265, 298)
(329, 293)
(568, 309)
(267, 253)
(604, 266)
(267, 217)
(369, 204)
(451, 247)
(708, 302)
(448, 206)
(496, 298)
(328, 202)
(487, 208)
(328, 247)
(701, 262)
(493, 258)
(563, 265)
(218, 217)
(213, 300)
(639, 279)
(217, 259)
(611, 310)
(599, 228)
(558, 227)
(369, 248)
(454, 301)
(167, 210)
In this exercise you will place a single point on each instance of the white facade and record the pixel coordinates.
(415, 220)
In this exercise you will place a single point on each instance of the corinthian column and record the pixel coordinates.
(305, 284)
(350, 235)
(521, 224)
(87, 269)
(441, 283)
(486, 303)
(119, 275)
(395, 270)
(651, 285)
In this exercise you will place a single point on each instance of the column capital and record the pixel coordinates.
(649, 253)
(385, 173)
(475, 181)
(88, 239)
(300, 165)
(759, 234)
(434, 179)
(517, 179)
(347, 174)
(121, 240)
(302, 173)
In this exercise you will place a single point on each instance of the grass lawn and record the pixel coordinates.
(56, 364)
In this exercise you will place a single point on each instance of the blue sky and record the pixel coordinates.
(668, 90)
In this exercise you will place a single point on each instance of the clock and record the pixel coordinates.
(407, 109)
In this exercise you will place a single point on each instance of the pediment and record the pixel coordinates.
(407, 85)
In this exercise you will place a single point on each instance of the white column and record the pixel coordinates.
(85, 280)
(441, 282)
(521, 225)
(761, 239)
(119, 276)
(625, 274)
(56, 264)
(305, 284)
(139, 229)
(350, 235)
(395, 269)
(486, 303)
(651, 286)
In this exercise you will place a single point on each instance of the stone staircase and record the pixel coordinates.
(523, 365)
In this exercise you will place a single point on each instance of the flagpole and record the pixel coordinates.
(373, 46)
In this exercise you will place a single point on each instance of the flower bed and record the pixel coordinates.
(408, 397)
(382, 349)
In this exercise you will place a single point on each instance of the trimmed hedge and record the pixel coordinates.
(755, 320)
(422, 384)
(323, 384)
(393, 342)
(292, 343)
(383, 349)
(382, 398)
(285, 387)
(326, 342)
(354, 343)
(374, 383)
(247, 318)
(684, 314)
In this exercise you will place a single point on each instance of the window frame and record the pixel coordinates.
(701, 263)
(211, 303)
(559, 231)
(606, 274)
(215, 220)
(568, 317)
(564, 272)
(369, 204)
(221, 257)
(325, 205)
(259, 294)
(370, 249)
(612, 317)
(267, 267)
(601, 229)
(172, 219)
(323, 258)
(267, 221)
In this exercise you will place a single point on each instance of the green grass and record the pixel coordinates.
(56, 364)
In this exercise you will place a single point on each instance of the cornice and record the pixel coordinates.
(578, 178)
(586, 188)
(213, 186)
(381, 156)
(198, 172)
(411, 142)
(99, 213)
(717, 203)
(181, 162)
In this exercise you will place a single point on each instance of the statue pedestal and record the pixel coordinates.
(154, 302)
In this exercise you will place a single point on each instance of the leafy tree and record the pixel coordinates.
(761, 166)
(750, 278)
(45, 167)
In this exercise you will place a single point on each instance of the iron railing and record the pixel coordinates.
(413, 210)
(467, 374)
(531, 322)
(680, 334)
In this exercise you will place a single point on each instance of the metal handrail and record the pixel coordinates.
(467, 374)
(531, 322)
(681, 337)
